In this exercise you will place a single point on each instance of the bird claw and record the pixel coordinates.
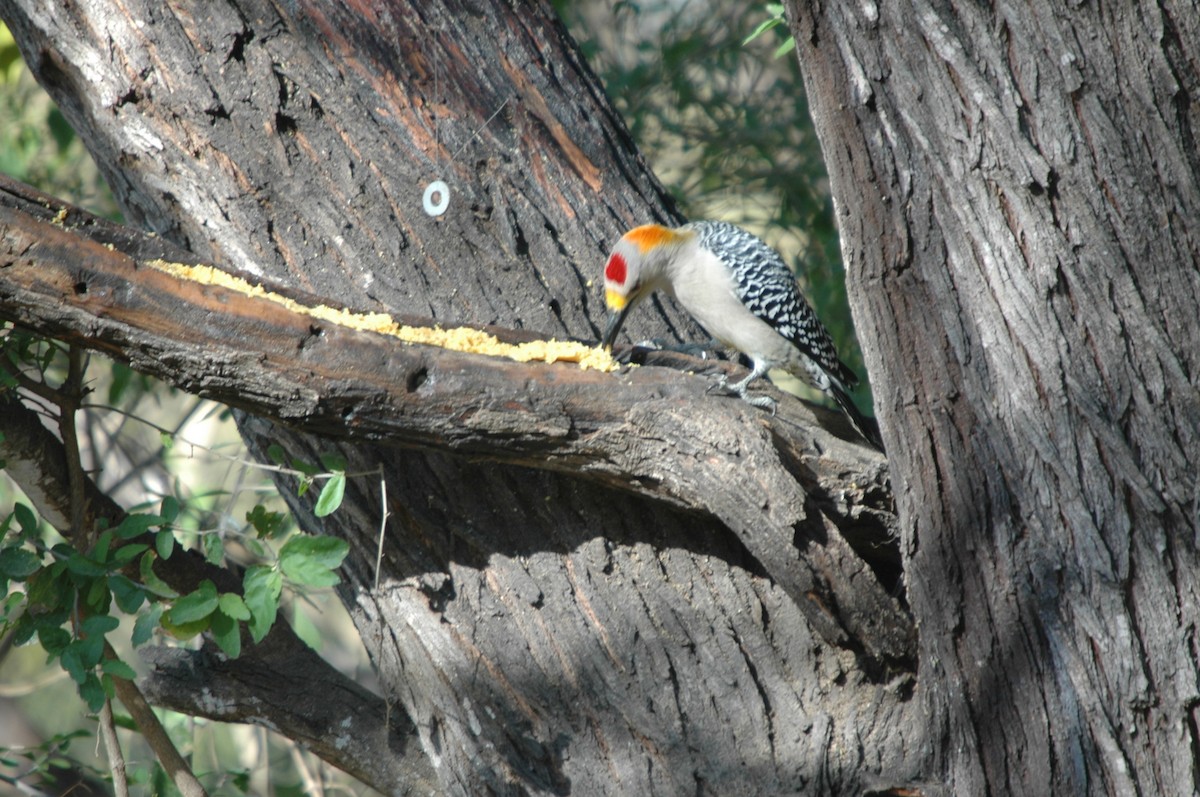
(739, 389)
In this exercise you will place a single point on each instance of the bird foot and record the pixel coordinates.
(739, 389)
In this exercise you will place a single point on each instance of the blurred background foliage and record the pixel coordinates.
(723, 123)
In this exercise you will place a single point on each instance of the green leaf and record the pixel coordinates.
(147, 621)
(195, 605)
(214, 548)
(307, 468)
(26, 518)
(170, 509)
(310, 560)
(72, 662)
(92, 692)
(54, 638)
(763, 27)
(80, 565)
(129, 596)
(276, 454)
(127, 553)
(99, 625)
(262, 585)
(100, 552)
(14, 600)
(138, 523)
(185, 631)
(49, 586)
(18, 564)
(232, 604)
(118, 668)
(87, 651)
(331, 494)
(164, 543)
(264, 521)
(151, 581)
(333, 461)
(96, 596)
(226, 634)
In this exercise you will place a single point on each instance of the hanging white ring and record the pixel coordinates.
(437, 198)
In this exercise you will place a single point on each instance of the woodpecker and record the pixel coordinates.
(743, 294)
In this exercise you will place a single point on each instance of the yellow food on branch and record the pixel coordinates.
(464, 339)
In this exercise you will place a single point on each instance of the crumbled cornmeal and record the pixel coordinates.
(464, 339)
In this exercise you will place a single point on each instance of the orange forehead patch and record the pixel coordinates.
(649, 236)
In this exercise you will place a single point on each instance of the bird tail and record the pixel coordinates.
(867, 427)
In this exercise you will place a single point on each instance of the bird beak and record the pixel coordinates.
(618, 307)
(615, 319)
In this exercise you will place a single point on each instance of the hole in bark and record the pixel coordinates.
(285, 124)
(80, 288)
(131, 97)
(416, 379)
(238, 51)
(522, 246)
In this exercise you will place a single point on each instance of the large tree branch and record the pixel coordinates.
(651, 431)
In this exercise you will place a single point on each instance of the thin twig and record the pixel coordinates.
(23, 380)
(116, 760)
(382, 526)
(70, 397)
(155, 734)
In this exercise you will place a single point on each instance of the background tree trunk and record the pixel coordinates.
(544, 632)
(1018, 190)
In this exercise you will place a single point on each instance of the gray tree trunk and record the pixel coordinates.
(1018, 190)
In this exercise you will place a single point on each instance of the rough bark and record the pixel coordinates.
(1018, 191)
(649, 619)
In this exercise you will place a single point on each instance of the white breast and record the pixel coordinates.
(704, 286)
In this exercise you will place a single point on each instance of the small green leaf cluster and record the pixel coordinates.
(775, 19)
(71, 599)
(70, 596)
(48, 759)
(334, 473)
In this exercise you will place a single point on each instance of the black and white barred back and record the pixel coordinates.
(768, 288)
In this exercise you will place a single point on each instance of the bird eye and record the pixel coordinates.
(616, 270)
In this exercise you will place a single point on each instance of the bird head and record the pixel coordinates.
(635, 269)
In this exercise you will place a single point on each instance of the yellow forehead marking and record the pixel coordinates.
(614, 300)
(649, 236)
